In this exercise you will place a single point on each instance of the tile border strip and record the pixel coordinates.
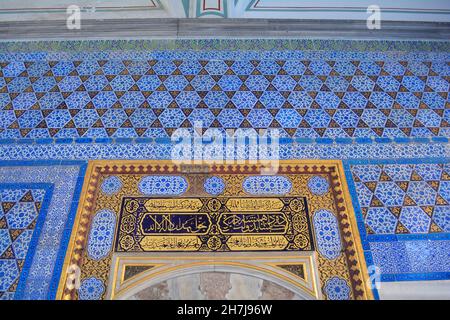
(268, 44)
(48, 187)
(54, 280)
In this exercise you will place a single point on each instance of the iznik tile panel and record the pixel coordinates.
(381, 106)
(404, 198)
(19, 211)
(311, 96)
(403, 207)
(38, 203)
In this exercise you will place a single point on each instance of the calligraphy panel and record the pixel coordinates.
(213, 224)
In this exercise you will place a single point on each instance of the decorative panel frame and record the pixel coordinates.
(349, 267)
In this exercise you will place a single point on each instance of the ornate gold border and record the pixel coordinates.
(346, 216)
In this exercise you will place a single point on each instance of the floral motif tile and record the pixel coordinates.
(20, 211)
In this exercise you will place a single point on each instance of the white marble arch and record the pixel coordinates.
(215, 286)
(259, 267)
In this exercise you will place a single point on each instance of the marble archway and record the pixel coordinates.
(214, 281)
(214, 286)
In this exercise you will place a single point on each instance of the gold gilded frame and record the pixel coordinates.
(350, 231)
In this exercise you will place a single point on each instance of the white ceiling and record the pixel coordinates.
(403, 10)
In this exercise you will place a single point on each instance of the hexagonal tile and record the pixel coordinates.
(272, 99)
(429, 171)
(346, 118)
(242, 67)
(407, 100)
(257, 83)
(148, 83)
(259, 118)
(374, 118)
(230, 83)
(203, 116)
(69, 84)
(413, 84)
(381, 220)
(190, 67)
(364, 194)
(244, 99)
(142, 118)
(310, 83)
(188, 99)
(85, 118)
(216, 67)
(122, 83)
(104, 100)
(441, 216)
(269, 67)
(389, 193)
(160, 99)
(354, 100)
(421, 193)
(327, 100)
(216, 99)
(8, 273)
(320, 68)
(21, 215)
(300, 99)
(367, 173)
(230, 118)
(21, 244)
(164, 67)
(113, 67)
(172, 118)
(284, 83)
(415, 220)
(132, 99)
(317, 118)
(398, 172)
(113, 118)
(5, 240)
(175, 83)
(203, 83)
(362, 83)
(288, 118)
(78, 100)
(58, 118)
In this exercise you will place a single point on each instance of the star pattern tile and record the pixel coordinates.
(19, 209)
(339, 99)
(403, 198)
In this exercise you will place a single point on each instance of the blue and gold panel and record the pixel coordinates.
(213, 224)
(150, 207)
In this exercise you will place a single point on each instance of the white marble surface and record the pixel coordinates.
(415, 290)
